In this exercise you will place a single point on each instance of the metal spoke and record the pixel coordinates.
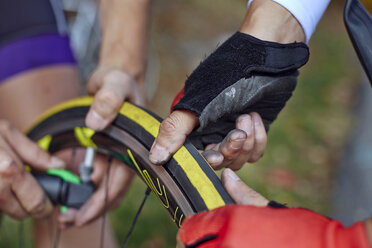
(106, 198)
(148, 191)
(56, 240)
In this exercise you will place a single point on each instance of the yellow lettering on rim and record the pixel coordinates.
(146, 177)
(186, 161)
(179, 222)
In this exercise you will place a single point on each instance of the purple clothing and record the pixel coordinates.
(34, 52)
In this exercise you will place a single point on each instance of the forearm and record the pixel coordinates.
(270, 21)
(124, 35)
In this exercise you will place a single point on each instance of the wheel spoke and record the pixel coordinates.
(148, 191)
(106, 198)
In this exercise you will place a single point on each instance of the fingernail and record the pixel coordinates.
(213, 157)
(95, 121)
(57, 163)
(232, 175)
(158, 154)
(236, 144)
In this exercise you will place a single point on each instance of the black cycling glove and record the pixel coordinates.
(243, 75)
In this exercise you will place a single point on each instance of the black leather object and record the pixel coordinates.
(358, 23)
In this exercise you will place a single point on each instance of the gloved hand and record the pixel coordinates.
(238, 226)
(243, 75)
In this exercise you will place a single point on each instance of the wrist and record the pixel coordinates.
(135, 68)
(277, 26)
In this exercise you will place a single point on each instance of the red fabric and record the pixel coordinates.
(265, 227)
(177, 98)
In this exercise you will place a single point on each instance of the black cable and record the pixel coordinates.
(148, 191)
(106, 198)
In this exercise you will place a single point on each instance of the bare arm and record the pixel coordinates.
(124, 32)
(123, 57)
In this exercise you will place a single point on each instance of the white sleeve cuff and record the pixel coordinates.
(307, 12)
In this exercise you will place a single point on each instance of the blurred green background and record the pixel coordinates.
(304, 144)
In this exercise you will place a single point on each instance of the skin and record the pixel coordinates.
(242, 194)
(20, 194)
(123, 60)
(280, 26)
(119, 76)
(16, 149)
(121, 70)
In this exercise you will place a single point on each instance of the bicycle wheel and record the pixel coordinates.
(185, 185)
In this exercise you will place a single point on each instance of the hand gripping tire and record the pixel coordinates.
(185, 185)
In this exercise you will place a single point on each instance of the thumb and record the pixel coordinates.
(115, 86)
(240, 192)
(172, 134)
(30, 152)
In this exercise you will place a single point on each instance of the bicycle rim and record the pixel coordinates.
(185, 185)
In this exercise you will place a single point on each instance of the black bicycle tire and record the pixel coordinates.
(187, 169)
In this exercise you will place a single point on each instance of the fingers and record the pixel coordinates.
(247, 143)
(67, 218)
(31, 196)
(172, 134)
(119, 181)
(231, 147)
(240, 192)
(10, 205)
(214, 158)
(179, 242)
(260, 138)
(100, 167)
(20, 194)
(27, 150)
(111, 87)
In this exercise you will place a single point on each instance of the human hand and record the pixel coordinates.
(260, 226)
(108, 194)
(241, 193)
(111, 86)
(20, 194)
(246, 143)
(242, 76)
